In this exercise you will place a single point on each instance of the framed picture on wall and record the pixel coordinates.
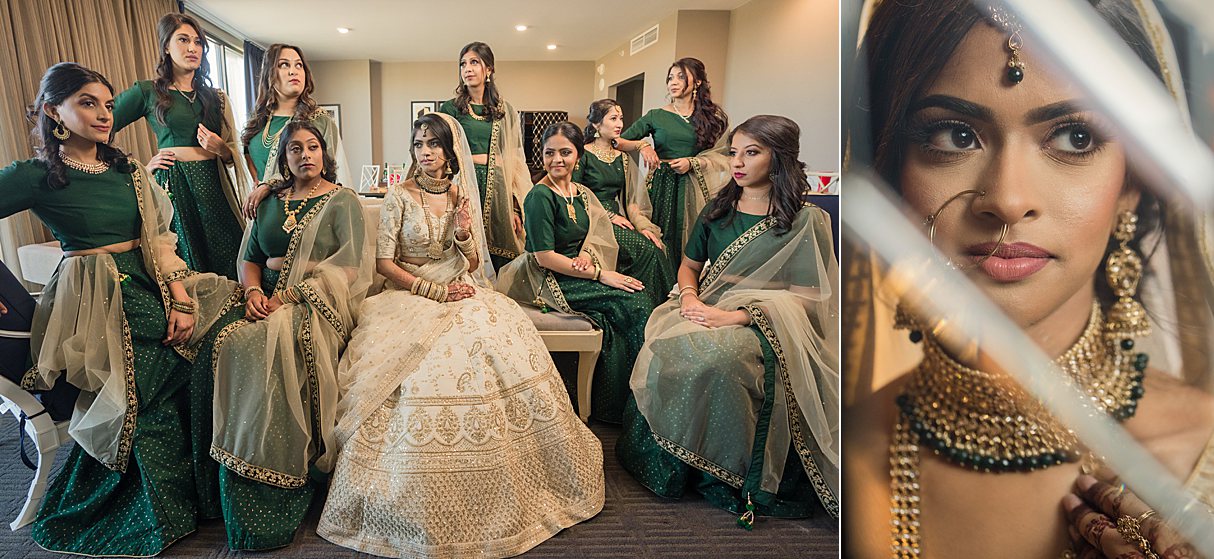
(419, 108)
(334, 113)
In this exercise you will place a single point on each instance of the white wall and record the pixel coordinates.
(347, 83)
(783, 59)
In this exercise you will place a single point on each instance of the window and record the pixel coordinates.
(227, 73)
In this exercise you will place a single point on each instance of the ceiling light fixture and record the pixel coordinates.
(552, 47)
(520, 27)
(343, 30)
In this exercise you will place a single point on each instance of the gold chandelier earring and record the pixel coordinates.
(1127, 318)
(59, 132)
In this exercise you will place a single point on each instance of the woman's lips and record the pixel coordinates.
(1009, 262)
(739, 175)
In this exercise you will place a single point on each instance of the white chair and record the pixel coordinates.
(38, 263)
(368, 181)
(47, 435)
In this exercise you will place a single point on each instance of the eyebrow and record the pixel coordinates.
(1053, 111)
(954, 104)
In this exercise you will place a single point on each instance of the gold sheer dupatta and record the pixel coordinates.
(507, 184)
(80, 331)
(276, 379)
(788, 284)
(709, 173)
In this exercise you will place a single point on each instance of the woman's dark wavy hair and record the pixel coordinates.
(442, 132)
(909, 43)
(567, 129)
(788, 181)
(59, 83)
(598, 111)
(208, 96)
(463, 99)
(709, 119)
(267, 94)
(329, 166)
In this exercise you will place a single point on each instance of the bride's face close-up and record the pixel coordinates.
(1045, 165)
(428, 152)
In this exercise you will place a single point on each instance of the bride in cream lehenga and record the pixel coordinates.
(456, 435)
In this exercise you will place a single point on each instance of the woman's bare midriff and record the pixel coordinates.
(480, 159)
(191, 153)
(275, 263)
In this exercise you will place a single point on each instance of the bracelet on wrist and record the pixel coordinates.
(598, 272)
(186, 307)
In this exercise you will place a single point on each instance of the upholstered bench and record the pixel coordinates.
(569, 332)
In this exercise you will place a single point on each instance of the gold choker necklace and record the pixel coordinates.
(986, 422)
(432, 185)
(92, 169)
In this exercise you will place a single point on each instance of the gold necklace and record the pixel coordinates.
(436, 246)
(606, 155)
(986, 422)
(472, 112)
(266, 140)
(687, 118)
(90, 168)
(187, 97)
(568, 198)
(291, 222)
(432, 185)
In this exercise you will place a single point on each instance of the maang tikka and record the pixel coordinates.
(1010, 25)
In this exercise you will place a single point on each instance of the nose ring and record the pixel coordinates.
(930, 222)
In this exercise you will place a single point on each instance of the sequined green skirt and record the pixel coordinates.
(667, 192)
(258, 516)
(643, 260)
(669, 476)
(91, 510)
(208, 233)
(616, 313)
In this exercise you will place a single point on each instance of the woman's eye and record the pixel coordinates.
(952, 137)
(1074, 138)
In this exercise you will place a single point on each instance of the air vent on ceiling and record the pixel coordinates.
(644, 40)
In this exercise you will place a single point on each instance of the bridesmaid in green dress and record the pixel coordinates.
(496, 138)
(121, 319)
(194, 130)
(736, 392)
(685, 170)
(570, 265)
(284, 93)
(306, 265)
(609, 174)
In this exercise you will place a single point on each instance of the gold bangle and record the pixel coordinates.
(253, 289)
(598, 271)
(186, 307)
(467, 246)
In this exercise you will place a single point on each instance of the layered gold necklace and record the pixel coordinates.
(291, 222)
(986, 422)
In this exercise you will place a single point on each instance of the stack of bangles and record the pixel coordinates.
(186, 307)
(430, 290)
(467, 246)
(291, 295)
(693, 290)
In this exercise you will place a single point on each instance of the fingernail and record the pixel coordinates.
(1085, 481)
(1070, 501)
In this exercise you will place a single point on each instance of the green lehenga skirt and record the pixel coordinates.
(92, 510)
(259, 516)
(616, 313)
(482, 175)
(669, 476)
(643, 260)
(208, 233)
(667, 193)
